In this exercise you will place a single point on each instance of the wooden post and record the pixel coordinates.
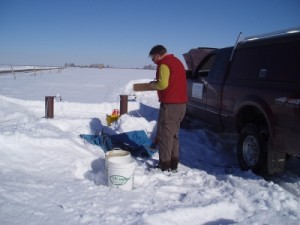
(49, 107)
(123, 104)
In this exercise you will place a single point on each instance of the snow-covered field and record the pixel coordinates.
(49, 175)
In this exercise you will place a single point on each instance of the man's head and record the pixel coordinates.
(157, 53)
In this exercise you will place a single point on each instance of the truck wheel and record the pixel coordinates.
(252, 149)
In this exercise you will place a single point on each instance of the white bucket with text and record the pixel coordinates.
(121, 172)
(116, 152)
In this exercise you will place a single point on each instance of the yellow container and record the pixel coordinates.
(111, 118)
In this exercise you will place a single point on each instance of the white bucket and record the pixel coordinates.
(116, 152)
(121, 172)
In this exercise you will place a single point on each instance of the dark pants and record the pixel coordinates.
(170, 116)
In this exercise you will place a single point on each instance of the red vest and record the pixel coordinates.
(176, 92)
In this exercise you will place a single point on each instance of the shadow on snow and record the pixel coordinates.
(201, 149)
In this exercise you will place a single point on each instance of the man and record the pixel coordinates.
(171, 88)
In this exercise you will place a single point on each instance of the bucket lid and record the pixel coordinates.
(120, 160)
(117, 152)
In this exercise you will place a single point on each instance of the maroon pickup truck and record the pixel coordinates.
(252, 89)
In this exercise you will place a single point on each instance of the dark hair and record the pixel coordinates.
(157, 49)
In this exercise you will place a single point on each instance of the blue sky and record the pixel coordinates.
(121, 33)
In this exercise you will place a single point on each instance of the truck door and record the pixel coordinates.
(196, 93)
(197, 88)
(214, 87)
(197, 99)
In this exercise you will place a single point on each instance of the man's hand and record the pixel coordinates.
(152, 84)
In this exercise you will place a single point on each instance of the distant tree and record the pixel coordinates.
(96, 65)
(149, 67)
(70, 65)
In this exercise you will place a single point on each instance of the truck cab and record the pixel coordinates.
(252, 89)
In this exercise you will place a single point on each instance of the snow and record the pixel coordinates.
(49, 175)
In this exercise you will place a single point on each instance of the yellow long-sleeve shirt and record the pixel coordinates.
(163, 81)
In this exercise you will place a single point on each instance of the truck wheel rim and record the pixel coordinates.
(250, 151)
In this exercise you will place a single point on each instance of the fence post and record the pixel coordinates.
(13, 72)
(123, 104)
(49, 107)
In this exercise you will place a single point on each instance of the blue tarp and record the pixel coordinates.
(137, 142)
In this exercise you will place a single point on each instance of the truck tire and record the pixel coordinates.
(252, 149)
